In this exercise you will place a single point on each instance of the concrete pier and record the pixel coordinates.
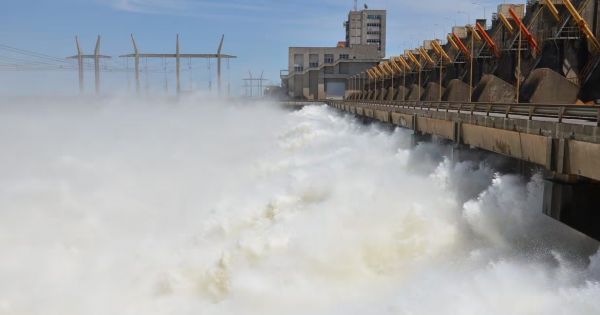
(402, 93)
(574, 203)
(563, 150)
(495, 90)
(457, 91)
(415, 93)
(544, 86)
(432, 92)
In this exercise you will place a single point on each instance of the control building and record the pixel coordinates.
(323, 72)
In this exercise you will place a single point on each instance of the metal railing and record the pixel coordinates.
(559, 112)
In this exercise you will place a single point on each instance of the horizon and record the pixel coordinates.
(259, 33)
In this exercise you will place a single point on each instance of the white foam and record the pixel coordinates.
(199, 207)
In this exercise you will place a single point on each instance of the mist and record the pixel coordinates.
(128, 206)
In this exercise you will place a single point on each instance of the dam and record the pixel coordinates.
(525, 85)
(397, 171)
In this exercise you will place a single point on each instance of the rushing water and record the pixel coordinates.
(117, 207)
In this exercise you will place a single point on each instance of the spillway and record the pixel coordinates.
(130, 207)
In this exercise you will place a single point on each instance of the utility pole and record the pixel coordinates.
(441, 73)
(251, 82)
(518, 72)
(219, 63)
(361, 80)
(96, 56)
(79, 65)
(375, 87)
(178, 55)
(97, 65)
(419, 65)
(260, 85)
(137, 66)
(392, 87)
(382, 86)
(403, 83)
(178, 66)
(471, 65)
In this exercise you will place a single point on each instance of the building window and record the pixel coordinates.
(328, 58)
(374, 24)
(373, 41)
(344, 56)
(313, 61)
(373, 32)
(374, 17)
(298, 68)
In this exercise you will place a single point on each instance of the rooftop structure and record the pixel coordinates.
(323, 72)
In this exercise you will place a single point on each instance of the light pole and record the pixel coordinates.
(392, 90)
(471, 57)
(441, 73)
(518, 87)
(382, 87)
(471, 65)
(419, 65)
(403, 83)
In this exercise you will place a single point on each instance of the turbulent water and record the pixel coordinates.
(122, 207)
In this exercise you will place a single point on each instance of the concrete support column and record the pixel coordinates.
(321, 91)
(574, 204)
(418, 137)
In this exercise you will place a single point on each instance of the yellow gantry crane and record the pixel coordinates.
(425, 55)
(583, 25)
(414, 59)
(389, 67)
(489, 40)
(553, 10)
(506, 23)
(404, 64)
(395, 64)
(440, 51)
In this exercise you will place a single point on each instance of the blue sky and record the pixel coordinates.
(259, 31)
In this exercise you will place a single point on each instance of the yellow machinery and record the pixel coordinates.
(414, 59)
(440, 51)
(552, 8)
(506, 23)
(426, 56)
(583, 25)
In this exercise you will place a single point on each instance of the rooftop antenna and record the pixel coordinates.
(355, 5)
